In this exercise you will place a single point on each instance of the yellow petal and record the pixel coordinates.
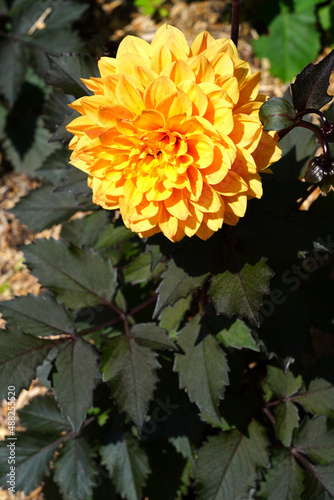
(132, 195)
(201, 148)
(209, 201)
(267, 151)
(202, 68)
(175, 104)
(178, 71)
(106, 66)
(168, 224)
(230, 85)
(157, 90)
(249, 89)
(129, 96)
(177, 205)
(236, 204)
(149, 120)
(204, 232)
(246, 132)
(231, 185)
(134, 45)
(94, 84)
(201, 43)
(109, 114)
(161, 58)
(196, 95)
(172, 38)
(127, 64)
(255, 186)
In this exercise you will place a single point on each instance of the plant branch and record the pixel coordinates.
(315, 111)
(235, 21)
(317, 132)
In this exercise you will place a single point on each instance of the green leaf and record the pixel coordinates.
(20, 355)
(13, 58)
(277, 114)
(283, 384)
(42, 208)
(171, 316)
(34, 451)
(238, 335)
(176, 284)
(286, 420)
(75, 469)
(67, 70)
(151, 335)
(39, 315)
(319, 483)
(318, 398)
(292, 42)
(79, 278)
(315, 438)
(139, 270)
(127, 464)
(42, 415)
(227, 464)
(112, 236)
(284, 480)
(202, 367)
(86, 231)
(54, 166)
(74, 380)
(310, 87)
(130, 369)
(240, 288)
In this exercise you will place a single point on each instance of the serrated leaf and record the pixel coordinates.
(310, 87)
(79, 278)
(75, 469)
(276, 114)
(86, 231)
(113, 236)
(20, 355)
(283, 384)
(139, 270)
(227, 464)
(67, 70)
(54, 166)
(75, 182)
(284, 480)
(239, 289)
(286, 420)
(202, 367)
(130, 369)
(42, 415)
(319, 482)
(127, 464)
(176, 284)
(39, 315)
(238, 335)
(74, 380)
(12, 56)
(318, 398)
(151, 335)
(292, 42)
(315, 438)
(34, 452)
(42, 208)
(171, 317)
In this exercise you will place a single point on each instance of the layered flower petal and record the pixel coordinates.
(171, 136)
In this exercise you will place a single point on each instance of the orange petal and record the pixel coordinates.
(267, 151)
(209, 201)
(129, 96)
(157, 90)
(178, 71)
(132, 195)
(109, 114)
(175, 104)
(202, 68)
(201, 148)
(168, 224)
(177, 205)
(149, 120)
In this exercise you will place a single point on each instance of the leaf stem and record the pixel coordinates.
(317, 132)
(235, 21)
(315, 111)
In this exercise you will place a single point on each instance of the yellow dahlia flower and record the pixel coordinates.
(172, 136)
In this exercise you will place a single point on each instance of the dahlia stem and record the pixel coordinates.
(235, 21)
(321, 137)
(315, 111)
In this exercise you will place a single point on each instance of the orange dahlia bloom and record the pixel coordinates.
(172, 136)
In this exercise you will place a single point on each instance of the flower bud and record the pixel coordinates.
(315, 171)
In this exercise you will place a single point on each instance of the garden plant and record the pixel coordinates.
(184, 329)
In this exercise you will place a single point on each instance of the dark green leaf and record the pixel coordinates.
(42, 415)
(34, 451)
(39, 315)
(315, 438)
(75, 182)
(171, 316)
(240, 288)
(284, 480)
(139, 270)
(67, 70)
(286, 420)
(20, 355)
(113, 236)
(130, 369)
(13, 59)
(176, 284)
(74, 380)
(319, 482)
(276, 114)
(227, 464)
(75, 470)
(55, 109)
(283, 384)
(86, 231)
(127, 464)
(318, 398)
(310, 87)
(43, 208)
(238, 335)
(292, 42)
(79, 278)
(54, 167)
(151, 335)
(202, 367)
